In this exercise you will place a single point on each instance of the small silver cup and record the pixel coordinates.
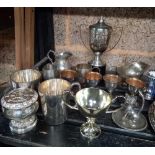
(27, 78)
(111, 82)
(82, 69)
(48, 71)
(92, 79)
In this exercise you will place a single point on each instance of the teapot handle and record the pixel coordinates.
(113, 100)
(48, 55)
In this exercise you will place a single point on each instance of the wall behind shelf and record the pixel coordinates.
(137, 42)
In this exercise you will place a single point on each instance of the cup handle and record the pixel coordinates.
(76, 84)
(65, 101)
(111, 111)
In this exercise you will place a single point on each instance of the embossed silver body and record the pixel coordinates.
(20, 105)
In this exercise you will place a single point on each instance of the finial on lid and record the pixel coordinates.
(101, 19)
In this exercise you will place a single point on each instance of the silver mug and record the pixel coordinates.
(53, 107)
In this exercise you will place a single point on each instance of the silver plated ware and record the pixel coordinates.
(151, 115)
(90, 102)
(23, 126)
(135, 69)
(27, 78)
(129, 116)
(53, 107)
(61, 61)
(69, 75)
(48, 71)
(150, 88)
(111, 82)
(92, 79)
(20, 105)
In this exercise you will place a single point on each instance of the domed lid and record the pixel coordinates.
(19, 98)
(100, 25)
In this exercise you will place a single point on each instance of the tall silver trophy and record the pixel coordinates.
(97, 37)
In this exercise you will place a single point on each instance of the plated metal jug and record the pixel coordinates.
(61, 60)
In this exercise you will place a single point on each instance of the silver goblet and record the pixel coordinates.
(90, 102)
(111, 82)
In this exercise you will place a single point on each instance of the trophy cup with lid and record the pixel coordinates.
(97, 36)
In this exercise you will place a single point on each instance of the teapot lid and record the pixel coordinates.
(19, 98)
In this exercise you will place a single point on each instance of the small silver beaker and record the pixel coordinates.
(48, 72)
(53, 107)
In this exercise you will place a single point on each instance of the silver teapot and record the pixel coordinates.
(61, 60)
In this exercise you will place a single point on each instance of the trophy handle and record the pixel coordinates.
(143, 101)
(80, 28)
(48, 55)
(113, 100)
(117, 40)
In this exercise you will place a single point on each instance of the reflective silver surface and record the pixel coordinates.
(91, 102)
(61, 61)
(129, 121)
(53, 106)
(23, 126)
(150, 85)
(135, 69)
(28, 78)
(18, 114)
(99, 35)
(129, 116)
(19, 103)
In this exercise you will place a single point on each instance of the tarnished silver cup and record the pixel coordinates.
(27, 78)
(82, 69)
(48, 71)
(92, 78)
(53, 107)
(69, 75)
(111, 81)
